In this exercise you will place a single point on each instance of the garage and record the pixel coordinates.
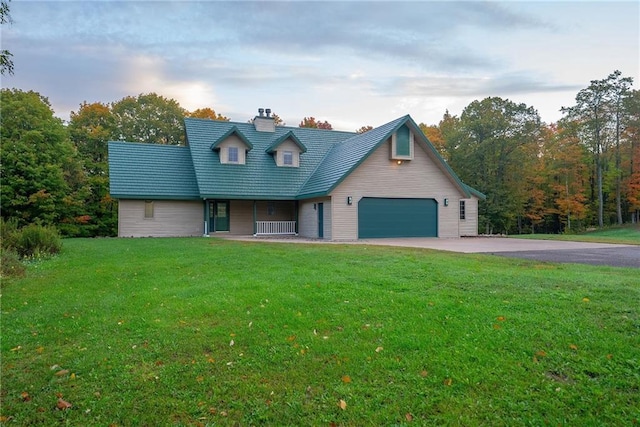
(389, 217)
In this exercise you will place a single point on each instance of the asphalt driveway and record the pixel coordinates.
(540, 250)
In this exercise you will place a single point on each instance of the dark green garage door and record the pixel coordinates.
(383, 217)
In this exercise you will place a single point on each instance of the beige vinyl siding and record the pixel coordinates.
(287, 145)
(233, 141)
(469, 225)
(378, 176)
(308, 218)
(241, 217)
(170, 219)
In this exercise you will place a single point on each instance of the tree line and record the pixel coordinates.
(580, 172)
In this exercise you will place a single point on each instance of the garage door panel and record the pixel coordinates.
(388, 217)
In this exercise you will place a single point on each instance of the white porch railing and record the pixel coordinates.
(275, 227)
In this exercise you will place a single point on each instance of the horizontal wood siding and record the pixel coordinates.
(378, 176)
(170, 219)
(469, 225)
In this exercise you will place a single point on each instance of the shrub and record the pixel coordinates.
(10, 263)
(35, 241)
(8, 232)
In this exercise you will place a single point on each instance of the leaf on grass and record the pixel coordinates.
(585, 299)
(25, 396)
(541, 353)
(291, 338)
(232, 343)
(447, 381)
(39, 350)
(501, 318)
(379, 349)
(63, 404)
(573, 346)
(346, 379)
(342, 404)
(18, 348)
(496, 326)
(409, 417)
(199, 378)
(62, 372)
(424, 373)
(609, 356)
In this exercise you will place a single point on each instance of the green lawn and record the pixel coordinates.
(211, 332)
(629, 235)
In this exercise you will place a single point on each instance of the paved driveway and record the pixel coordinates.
(541, 250)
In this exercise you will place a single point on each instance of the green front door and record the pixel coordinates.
(219, 215)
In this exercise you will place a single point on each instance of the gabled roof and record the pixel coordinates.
(259, 178)
(151, 171)
(227, 134)
(289, 135)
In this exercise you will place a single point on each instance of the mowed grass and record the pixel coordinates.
(212, 332)
(629, 235)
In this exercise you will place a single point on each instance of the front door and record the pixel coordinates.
(219, 217)
(320, 220)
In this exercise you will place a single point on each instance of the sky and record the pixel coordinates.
(351, 63)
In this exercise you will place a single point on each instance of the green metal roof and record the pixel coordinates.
(327, 158)
(151, 171)
(259, 177)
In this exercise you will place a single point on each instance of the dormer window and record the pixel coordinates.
(233, 155)
(287, 158)
(286, 150)
(402, 144)
(232, 147)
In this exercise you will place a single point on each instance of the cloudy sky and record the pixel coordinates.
(352, 63)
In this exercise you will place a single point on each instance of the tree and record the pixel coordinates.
(149, 118)
(6, 63)
(42, 179)
(493, 147)
(434, 135)
(90, 130)
(364, 129)
(207, 113)
(310, 122)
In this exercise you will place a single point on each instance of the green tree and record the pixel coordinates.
(493, 146)
(42, 178)
(6, 63)
(149, 118)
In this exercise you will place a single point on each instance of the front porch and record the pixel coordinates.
(251, 217)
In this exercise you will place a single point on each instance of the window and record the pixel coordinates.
(233, 154)
(287, 158)
(148, 209)
(462, 210)
(271, 208)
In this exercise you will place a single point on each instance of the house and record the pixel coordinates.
(262, 179)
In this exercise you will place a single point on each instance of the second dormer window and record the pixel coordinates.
(287, 158)
(233, 154)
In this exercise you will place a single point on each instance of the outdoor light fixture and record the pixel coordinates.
(314, 206)
(349, 200)
(399, 162)
(446, 202)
